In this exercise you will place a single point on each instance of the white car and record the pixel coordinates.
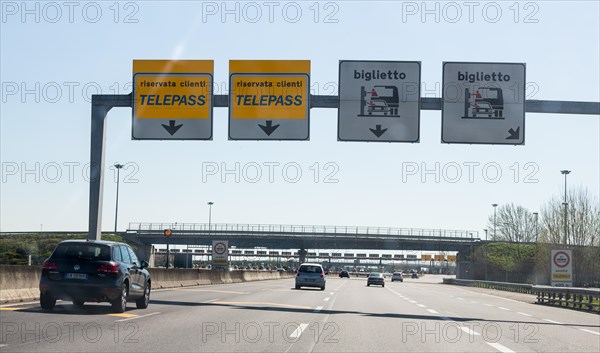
(397, 276)
(310, 275)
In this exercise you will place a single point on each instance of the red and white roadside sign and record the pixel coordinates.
(561, 268)
(220, 250)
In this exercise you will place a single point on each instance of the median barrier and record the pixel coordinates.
(21, 283)
(587, 299)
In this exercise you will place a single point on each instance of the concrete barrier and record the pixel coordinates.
(21, 283)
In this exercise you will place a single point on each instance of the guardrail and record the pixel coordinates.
(307, 229)
(567, 297)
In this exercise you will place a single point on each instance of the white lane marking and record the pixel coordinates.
(432, 311)
(486, 304)
(524, 314)
(317, 309)
(138, 317)
(209, 301)
(590, 331)
(331, 293)
(469, 331)
(552, 321)
(298, 331)
(500, 347)
(3, 345)
(18, 304)
(459, 298)
(326, 299)
(464, 328)
(421, 305)
(413, 301)
(503, 308)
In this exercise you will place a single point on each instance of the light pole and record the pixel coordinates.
(118, 166)
(535, 215)
(494, 205)
(209, 203)
(565, 173)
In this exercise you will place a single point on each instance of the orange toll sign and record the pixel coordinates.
(172, 99)
(167, 232)
(269, 99)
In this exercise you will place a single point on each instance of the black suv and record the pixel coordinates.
(344, 273)
(94, 271)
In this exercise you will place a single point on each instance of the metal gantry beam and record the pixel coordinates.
(102, 104)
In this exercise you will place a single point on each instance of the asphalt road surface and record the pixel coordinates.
(415, 316)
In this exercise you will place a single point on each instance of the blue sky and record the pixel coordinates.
(51, 63)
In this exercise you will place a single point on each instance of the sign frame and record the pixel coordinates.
(556, 268)
(339, 99)
(281, 64)
(522, 97)
(172, 121)
(222, 257)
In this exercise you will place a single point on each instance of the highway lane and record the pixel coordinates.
(271, 316)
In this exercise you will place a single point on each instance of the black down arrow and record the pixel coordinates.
(172, 128)
(269, 128)
(378, 131)
(514, 134)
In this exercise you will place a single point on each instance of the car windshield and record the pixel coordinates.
(82, 251)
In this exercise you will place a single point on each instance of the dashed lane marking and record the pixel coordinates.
(298, 331)
(552, 321)
(589, 331)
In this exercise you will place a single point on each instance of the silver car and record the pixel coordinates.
(310, 275)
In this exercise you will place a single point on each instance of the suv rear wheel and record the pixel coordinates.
(119, 305)
(47, 301)
(142, 303)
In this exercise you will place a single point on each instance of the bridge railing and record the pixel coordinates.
(304, 229)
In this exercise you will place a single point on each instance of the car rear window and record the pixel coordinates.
(375, 275)
(82, 251)
(310, 269)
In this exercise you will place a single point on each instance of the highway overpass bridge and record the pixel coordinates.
(302, 237)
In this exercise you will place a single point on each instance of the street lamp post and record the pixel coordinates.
(535, 215)
(210, 203)
(494, 205)
(118, 166)
(565, 173)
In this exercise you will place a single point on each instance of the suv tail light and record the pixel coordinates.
(298, 273)
(109, 268)
(49, 265)
(322, 274)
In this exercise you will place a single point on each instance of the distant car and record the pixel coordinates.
(414, 275)
(344, 274)
(94, 271)
(310, 275)
(397, 276)
(376, 278)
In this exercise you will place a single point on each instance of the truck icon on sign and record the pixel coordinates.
(485, 102)
(379, 101)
